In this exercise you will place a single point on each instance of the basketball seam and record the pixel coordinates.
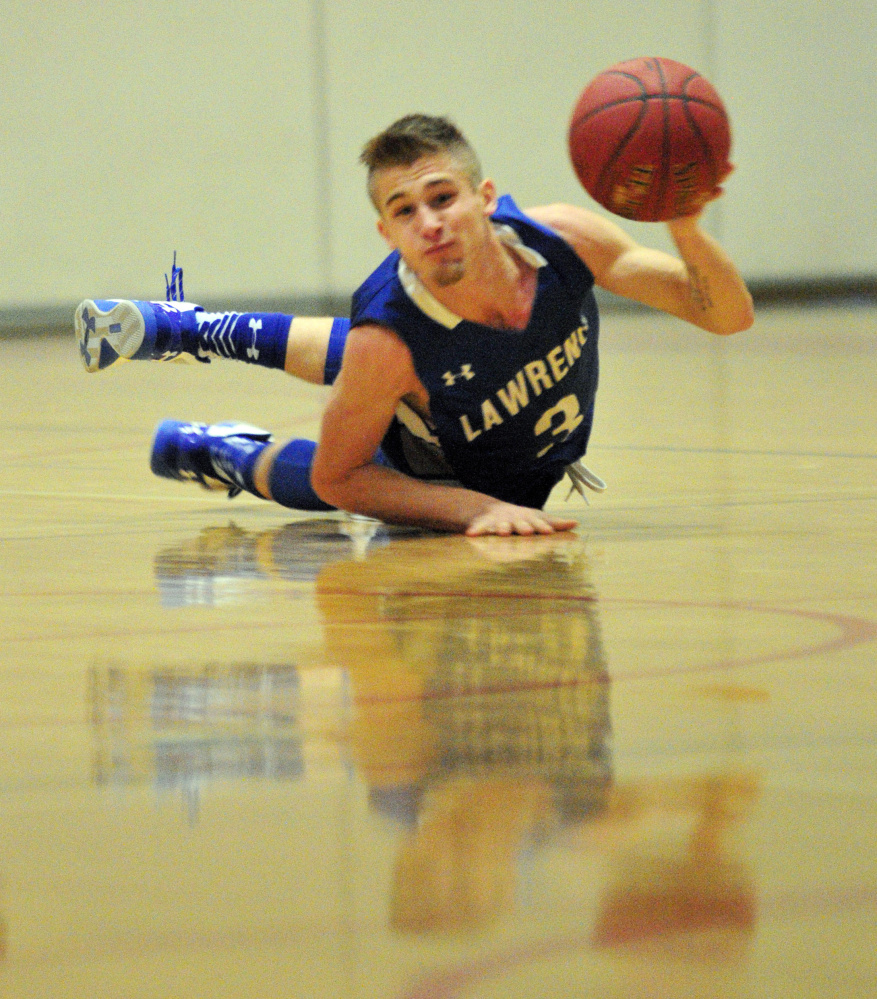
(704, 145)
(642, 99)
(698, 131)
(660, 192)
(619, 149)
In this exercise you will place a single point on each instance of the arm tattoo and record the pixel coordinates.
(700, 289)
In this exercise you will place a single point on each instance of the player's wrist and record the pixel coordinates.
(685, 225)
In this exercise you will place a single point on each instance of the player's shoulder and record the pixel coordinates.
(376, 344)
(594, 238)
(376, 355)
(378, 284)
(564, 218)
(527, 221)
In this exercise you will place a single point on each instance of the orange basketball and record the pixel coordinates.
(650, 139)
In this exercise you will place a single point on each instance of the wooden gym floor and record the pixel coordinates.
(248, 753)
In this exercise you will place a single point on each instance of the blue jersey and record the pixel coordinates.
(510, 408)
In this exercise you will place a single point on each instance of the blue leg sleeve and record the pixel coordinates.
(253, 337)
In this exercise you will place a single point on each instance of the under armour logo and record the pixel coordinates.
(465, 372)
(85, 342)
(255, 326)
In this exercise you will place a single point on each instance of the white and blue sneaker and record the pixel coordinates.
(112, 330)
(194, 452)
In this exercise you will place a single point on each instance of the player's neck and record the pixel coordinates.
(498, 289)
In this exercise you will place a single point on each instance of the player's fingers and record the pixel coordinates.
(529, 522)
(543, 525)
(486, 525)
(719, 189)
(562, 523)
(503, 528)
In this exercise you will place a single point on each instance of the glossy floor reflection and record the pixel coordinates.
(250, 754)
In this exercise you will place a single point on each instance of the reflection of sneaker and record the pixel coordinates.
(111, 330)
(182, 451)
(219, 566)
(227, 564)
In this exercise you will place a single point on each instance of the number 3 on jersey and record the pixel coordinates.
(559, 421)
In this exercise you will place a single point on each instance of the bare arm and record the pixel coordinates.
(701, 286)
(376, 374)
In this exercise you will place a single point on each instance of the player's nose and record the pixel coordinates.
(430, 222)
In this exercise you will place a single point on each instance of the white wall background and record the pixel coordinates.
(229, 131)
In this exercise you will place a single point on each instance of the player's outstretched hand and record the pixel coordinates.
(505, 519)
(717, 192)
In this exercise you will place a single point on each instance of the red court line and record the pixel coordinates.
(852, 631)
(451, 983)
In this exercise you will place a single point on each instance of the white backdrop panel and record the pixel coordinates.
(129, 130)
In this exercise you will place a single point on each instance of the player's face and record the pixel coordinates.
(431, 213)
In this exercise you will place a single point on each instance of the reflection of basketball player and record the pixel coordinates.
(477, 674)
(481, 709)
(481, 721)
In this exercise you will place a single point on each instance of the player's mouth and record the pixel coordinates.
(439, 248)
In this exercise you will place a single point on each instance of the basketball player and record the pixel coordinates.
(467, 374)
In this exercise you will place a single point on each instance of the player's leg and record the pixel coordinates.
(230, 456)
(239, 457)
(112, 330)
(315, 347)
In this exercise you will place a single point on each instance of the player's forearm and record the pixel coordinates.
(390, 496)
(718, 299)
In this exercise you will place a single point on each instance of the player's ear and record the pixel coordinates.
(382, 229)
(487, 190)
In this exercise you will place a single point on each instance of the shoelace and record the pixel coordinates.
(174, 286)
(580, 476)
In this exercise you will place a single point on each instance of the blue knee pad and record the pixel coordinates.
(289, 480)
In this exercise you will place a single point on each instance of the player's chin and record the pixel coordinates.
(446, 274)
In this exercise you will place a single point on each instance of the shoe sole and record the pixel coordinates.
(108, 332)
